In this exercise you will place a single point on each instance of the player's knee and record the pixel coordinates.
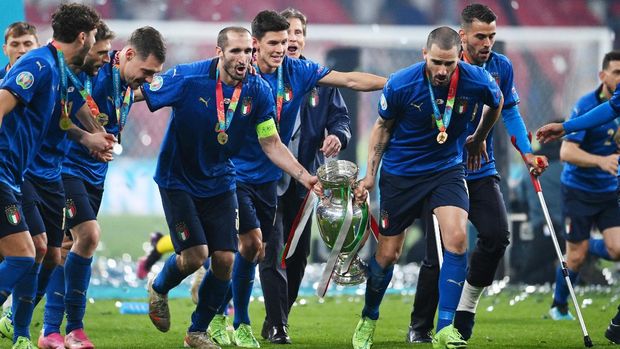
(614, 252)
(575, 259)
(40, 248)
(387, 257)
(251, 248)
(222, 264)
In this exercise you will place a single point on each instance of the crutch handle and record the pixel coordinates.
(533, 177)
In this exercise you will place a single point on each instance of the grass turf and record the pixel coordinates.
(329, 324)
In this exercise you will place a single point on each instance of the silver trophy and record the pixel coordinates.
(335, 217)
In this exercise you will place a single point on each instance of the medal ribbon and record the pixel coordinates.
(443, 121)
(122, 109)
(85, 91)
(64, 84)
(279, 94)
(225, 119)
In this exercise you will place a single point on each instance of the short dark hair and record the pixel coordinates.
(295, 13)
(104, 32)
(69, 20)
(268, 21)
(610, 56)
(18, 29)
(471, 12)
(222, 36)
(444, 37)
(148, 41)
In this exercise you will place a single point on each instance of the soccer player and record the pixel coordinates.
(83, 176)
(589, 188)
(215, 103)
(421, 148)
(322, 129)
(28, 96)
(19, 38)
(290, 80)
(487, 211)
(43, 204)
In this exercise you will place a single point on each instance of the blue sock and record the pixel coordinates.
(169, 277)
(77, 278)
(210, 295)
(12, 270)
(451, 279)
(597, 247)
(42, 282)
(378, 281)
(223, 310)
(55, 302)
(23, 302)
(560, 295)
(242, 283)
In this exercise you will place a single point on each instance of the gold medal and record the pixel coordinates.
(103, 119)
(442, 137)
(65, 123)
(222, 138)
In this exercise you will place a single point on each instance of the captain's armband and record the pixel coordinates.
(266, 129)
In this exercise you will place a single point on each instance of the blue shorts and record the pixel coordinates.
(582, 210)
(12, 220)
(402, 198)
(44, 206)
(257, 207)
(195, 221)
(82, 200)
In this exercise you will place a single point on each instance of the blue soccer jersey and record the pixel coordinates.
(598, 141)
(413, 148)
(47, 163)
(299, 77)
(191, 158)
(500, 68)
(34, 81)
(78, 161)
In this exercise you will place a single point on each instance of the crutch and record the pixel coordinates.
(586, 338)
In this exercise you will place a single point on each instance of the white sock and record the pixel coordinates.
(469, 298)
(7, 304)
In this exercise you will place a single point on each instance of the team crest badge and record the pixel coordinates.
(313, 100)
(246, 106)
(24, 80)
(288, 93)
(383, 102)
(12, 214)
(182, 231)
(70, 209)
(157, 83)
(385, 219)
(567, 224)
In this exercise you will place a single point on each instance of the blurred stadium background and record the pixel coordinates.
(556, 47)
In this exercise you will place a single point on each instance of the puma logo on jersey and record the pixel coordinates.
(206, 102)
(41, 66)
(418, 106)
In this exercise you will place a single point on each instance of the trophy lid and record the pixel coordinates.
(337, 173)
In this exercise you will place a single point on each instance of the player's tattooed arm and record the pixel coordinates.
(379, 140)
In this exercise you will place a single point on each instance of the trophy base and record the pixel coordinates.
(354, 276)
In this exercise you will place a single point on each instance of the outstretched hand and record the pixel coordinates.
(550, 132)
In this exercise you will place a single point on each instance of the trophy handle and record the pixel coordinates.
(337, 247)
(363, 225)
